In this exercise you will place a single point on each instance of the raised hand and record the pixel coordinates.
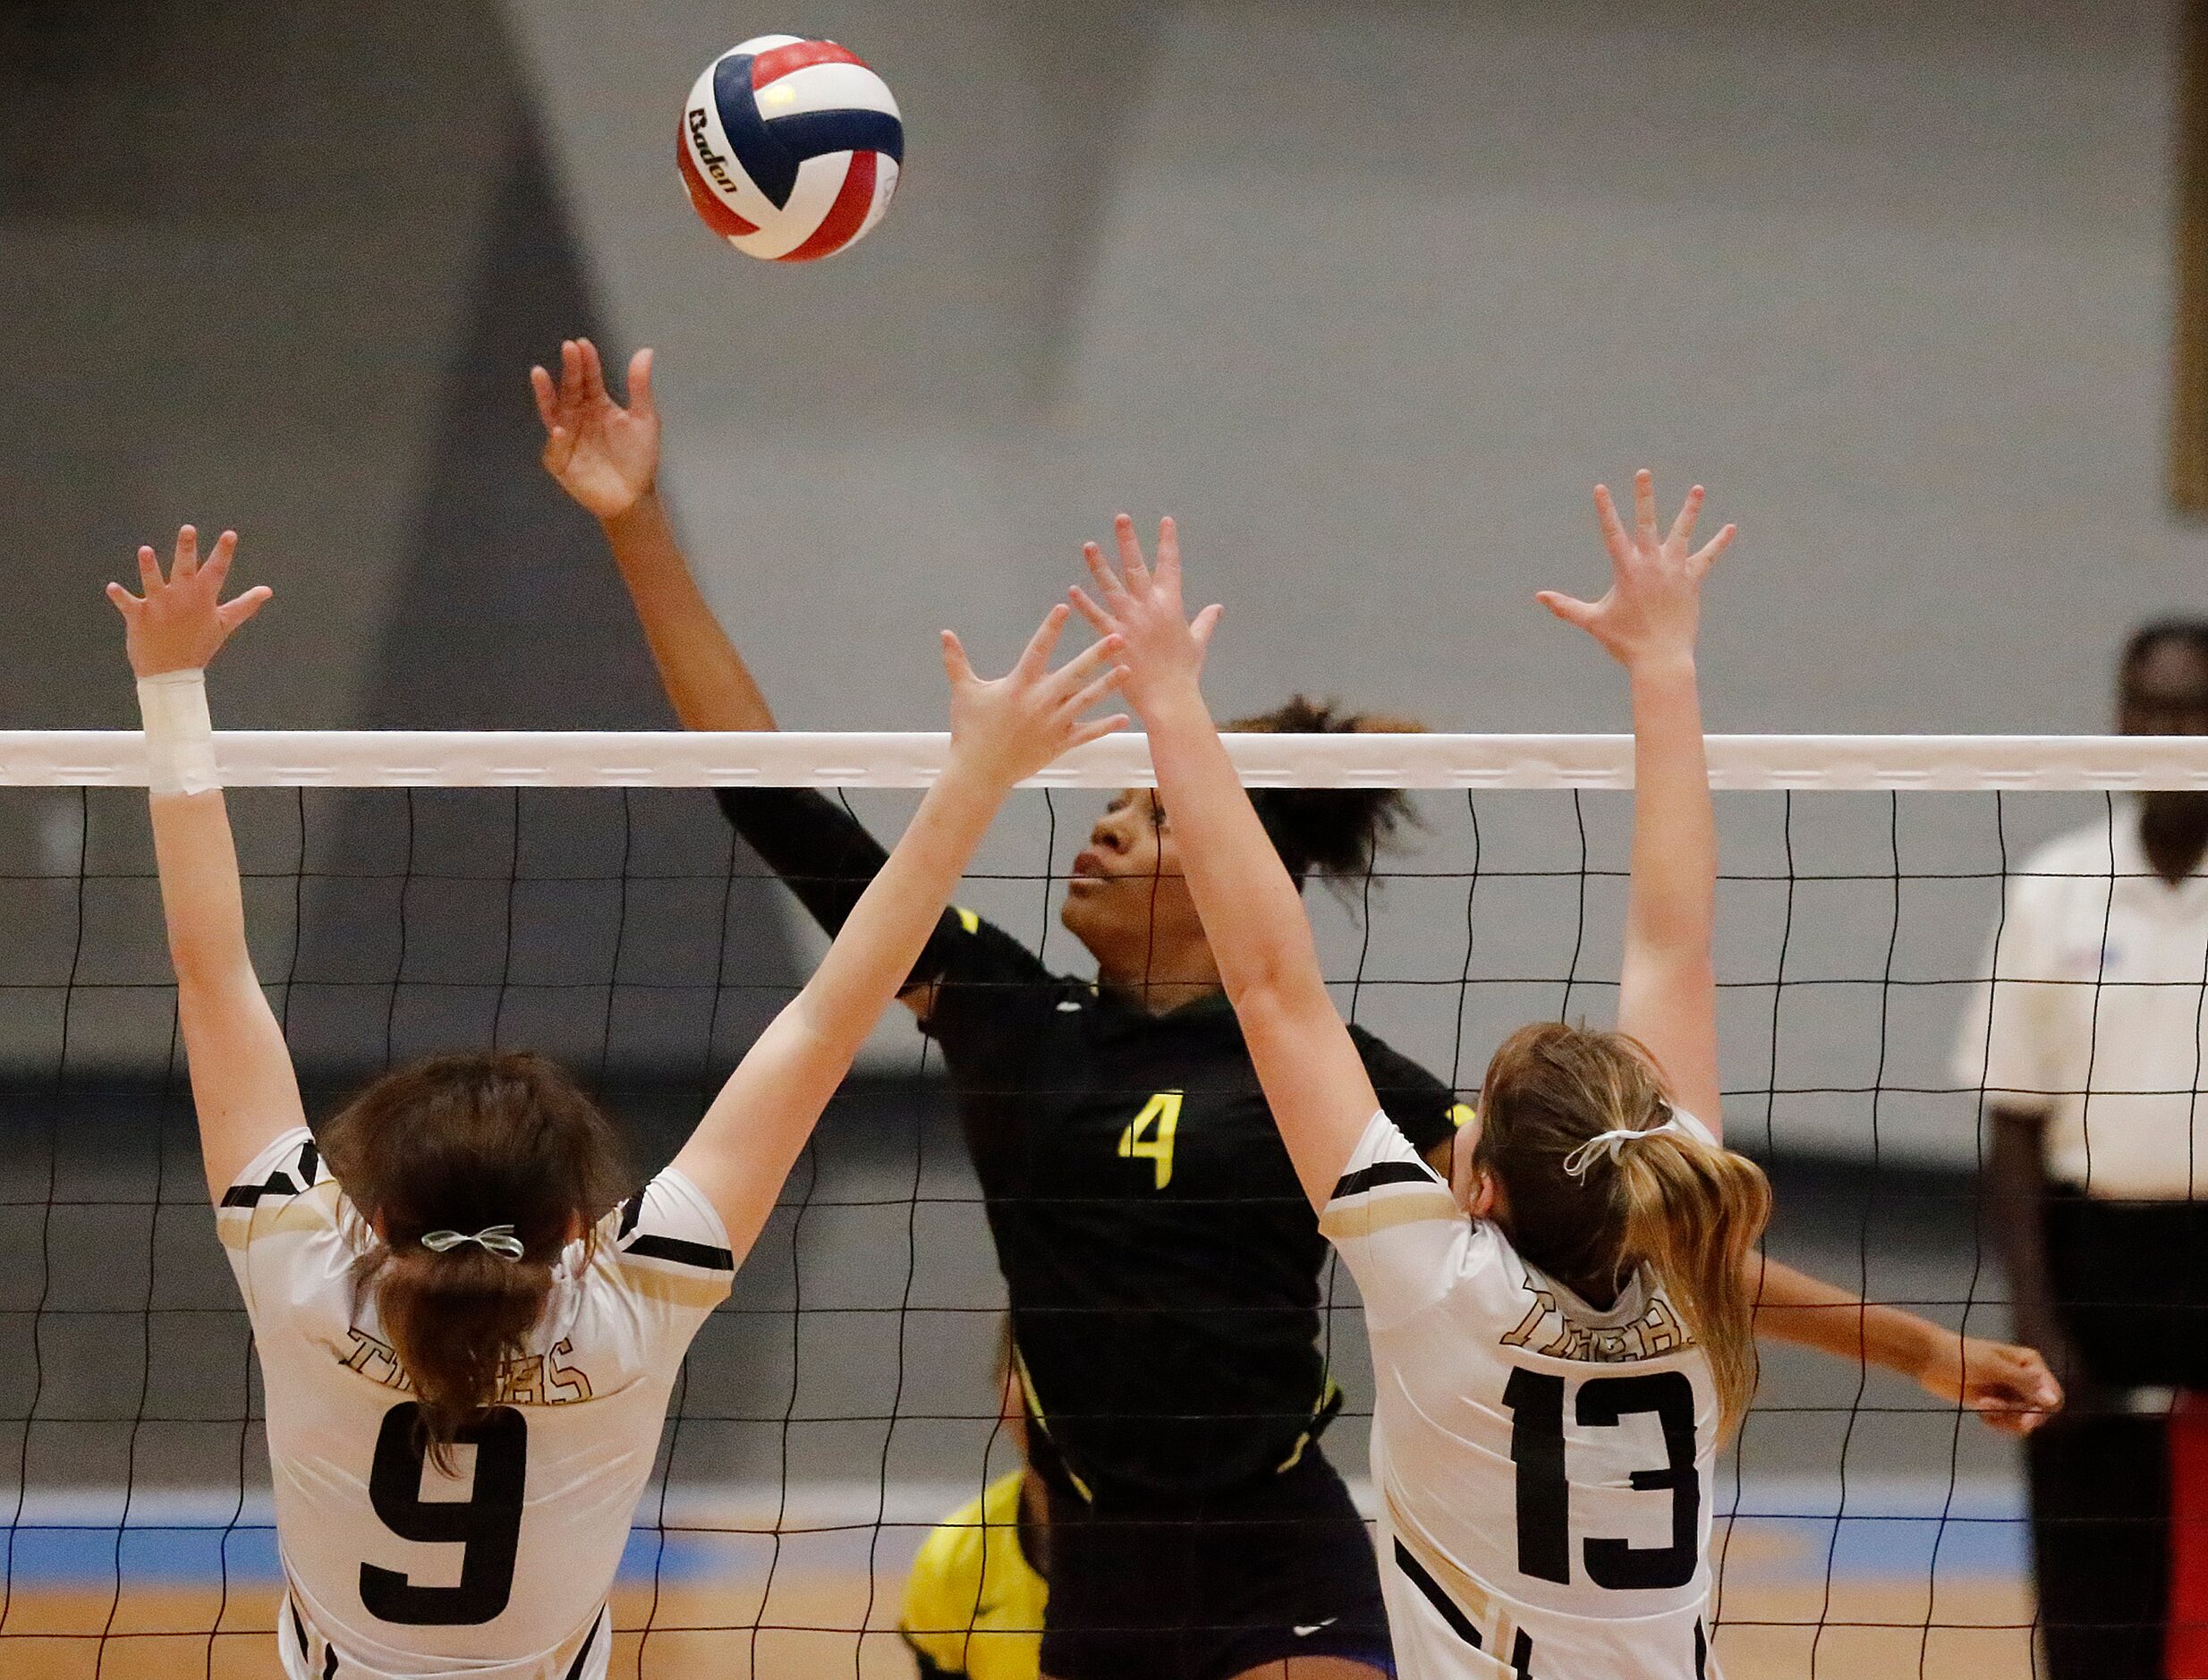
(2010, 1388)
(181, 620)
(1141, 606)
(604, 455)
(1009, 729)
(1652, 609)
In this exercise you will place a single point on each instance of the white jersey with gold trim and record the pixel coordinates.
(1544, 1468)
(501, 1572)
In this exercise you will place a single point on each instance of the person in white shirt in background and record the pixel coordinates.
(2088, 1044)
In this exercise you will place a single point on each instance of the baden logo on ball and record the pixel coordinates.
(789, 148)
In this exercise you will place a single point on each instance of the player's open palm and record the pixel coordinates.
(603, 454)
(1011, 727)
(1140, 605)
(1652, 609)
(181, 620)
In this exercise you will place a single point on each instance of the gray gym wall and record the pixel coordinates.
(1367, 296)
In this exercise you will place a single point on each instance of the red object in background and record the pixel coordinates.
(2185, 1652)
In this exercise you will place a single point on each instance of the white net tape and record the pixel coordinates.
(94, 758)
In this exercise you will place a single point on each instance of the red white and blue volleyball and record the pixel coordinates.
(789, 148)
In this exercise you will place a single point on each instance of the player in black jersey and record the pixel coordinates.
(1161, 1262)
(1160, 1259)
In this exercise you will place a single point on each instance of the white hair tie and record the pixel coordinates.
(1581, 1160)
(496, 1239)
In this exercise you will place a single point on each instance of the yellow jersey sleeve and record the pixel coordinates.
(973, 1604)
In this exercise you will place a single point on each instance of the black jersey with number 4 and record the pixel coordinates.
(1161, 1258)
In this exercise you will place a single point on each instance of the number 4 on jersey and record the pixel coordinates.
(1149, 1136)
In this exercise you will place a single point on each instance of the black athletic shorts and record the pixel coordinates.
(2130, 1280)
(1280, 1567)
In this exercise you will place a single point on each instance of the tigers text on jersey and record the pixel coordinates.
(500, 1573)
(1544, 1468)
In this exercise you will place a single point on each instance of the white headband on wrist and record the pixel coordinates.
(180, 736)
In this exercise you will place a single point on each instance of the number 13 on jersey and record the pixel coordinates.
(1149, 1136)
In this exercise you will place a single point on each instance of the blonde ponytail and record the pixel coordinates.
(1692, 1212)
(1577, 1126)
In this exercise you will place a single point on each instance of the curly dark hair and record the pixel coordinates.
(1330, 831)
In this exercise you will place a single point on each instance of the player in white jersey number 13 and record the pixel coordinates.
(449, 1268)
(1563, 1334)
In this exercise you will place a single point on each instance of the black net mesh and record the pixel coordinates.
(848, 1396)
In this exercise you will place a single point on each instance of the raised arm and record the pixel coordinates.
(607, 458)
(1001, 732)
(243, 1084)
(2010, 1387)
(1648, 622)
(1315, 1082)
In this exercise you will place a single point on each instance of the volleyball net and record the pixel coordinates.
(581, 894)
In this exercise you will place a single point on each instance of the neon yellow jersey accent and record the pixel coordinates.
(1461, 1115)
(972, 1604)
(967, 919)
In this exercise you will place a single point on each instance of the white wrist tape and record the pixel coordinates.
(180, 736)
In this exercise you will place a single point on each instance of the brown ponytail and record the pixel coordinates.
(464, 1143)
(1689, 1210)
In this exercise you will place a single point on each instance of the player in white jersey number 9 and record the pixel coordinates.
(449, 1266)
(1563, 1332)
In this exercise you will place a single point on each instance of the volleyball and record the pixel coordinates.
(789, 148)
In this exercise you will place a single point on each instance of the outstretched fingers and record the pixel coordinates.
(594, 374)
(956, 665)
(1614, 538)
(1570, 608)
(1644, 507)
(1108, 581)
(1070, 676)
(1705, 557)
(235, 613)
(1099, 620)
(1202, 626)
(1082, 699)
(547, 397)
(186, 559)
(1035, 658)
(217, 566)
(1131, 561)
(1096, 730)
(639, 385)
(1168, 553)
(125, 603)
(149, 569)
(1683, 527)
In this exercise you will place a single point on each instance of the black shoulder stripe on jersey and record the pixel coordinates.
(1451, 1611)
(329, 1662)
(249, 1195)
(310, 1163)
(575, 1668)
(1382, 1173)
(632, 1210)
(702, 1255)
(1701, 1652)
(299, 1628)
